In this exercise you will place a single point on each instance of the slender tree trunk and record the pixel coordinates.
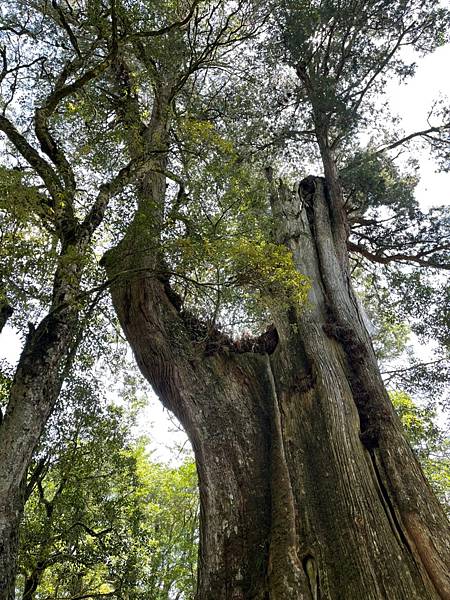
(33, 394)
(34, 391)
(307, 486)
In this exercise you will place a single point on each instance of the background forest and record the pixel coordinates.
(105, 104)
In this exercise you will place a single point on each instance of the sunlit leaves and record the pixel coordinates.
(428, 441)
(103, 518)
(218, 238)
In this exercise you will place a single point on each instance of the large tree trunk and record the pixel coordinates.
(307, 486)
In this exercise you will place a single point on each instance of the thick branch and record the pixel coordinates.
(66, 26)
(106, 191)
(32, 156)
(399, 257)
(36, 476)
(42, 115)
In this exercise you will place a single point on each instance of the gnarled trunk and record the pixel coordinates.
(308, 488)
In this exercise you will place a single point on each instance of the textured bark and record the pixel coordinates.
(210, 397)
(33, 394)
(47, 353)
(307, 486)
(358, 474)
(11, 510)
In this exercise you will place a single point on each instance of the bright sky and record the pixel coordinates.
(412, 101)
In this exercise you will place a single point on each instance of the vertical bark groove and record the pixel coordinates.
(379, 425)
(311, 570)
(284, 566)
(387, 504)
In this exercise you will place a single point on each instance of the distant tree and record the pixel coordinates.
(103, 520)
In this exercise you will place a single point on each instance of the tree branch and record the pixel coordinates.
(399, 257)
(411, 136)
(168, 28)
(106, 191)
(66, 26)
(42, 115)
(35, 477)
(32, 156)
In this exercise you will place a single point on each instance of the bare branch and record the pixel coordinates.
(407, 138)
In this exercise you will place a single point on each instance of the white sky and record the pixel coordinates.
(412, 101)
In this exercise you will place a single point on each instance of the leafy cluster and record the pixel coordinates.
(428, 440)
(102, 519)
(217, 238)
(260, 273)
(343, 52)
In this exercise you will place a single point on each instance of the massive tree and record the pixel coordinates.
(308, 487)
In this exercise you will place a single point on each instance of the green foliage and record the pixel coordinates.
(417, 421)
(101, 517)
(270, 268)
(104, 519)
(344, 51)
(18, 196)
(244, 265)
(372, 180)
(391, 337)
(218, 235)
(5, 384)
(428, 441)
(27, 250)
(390, 332)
